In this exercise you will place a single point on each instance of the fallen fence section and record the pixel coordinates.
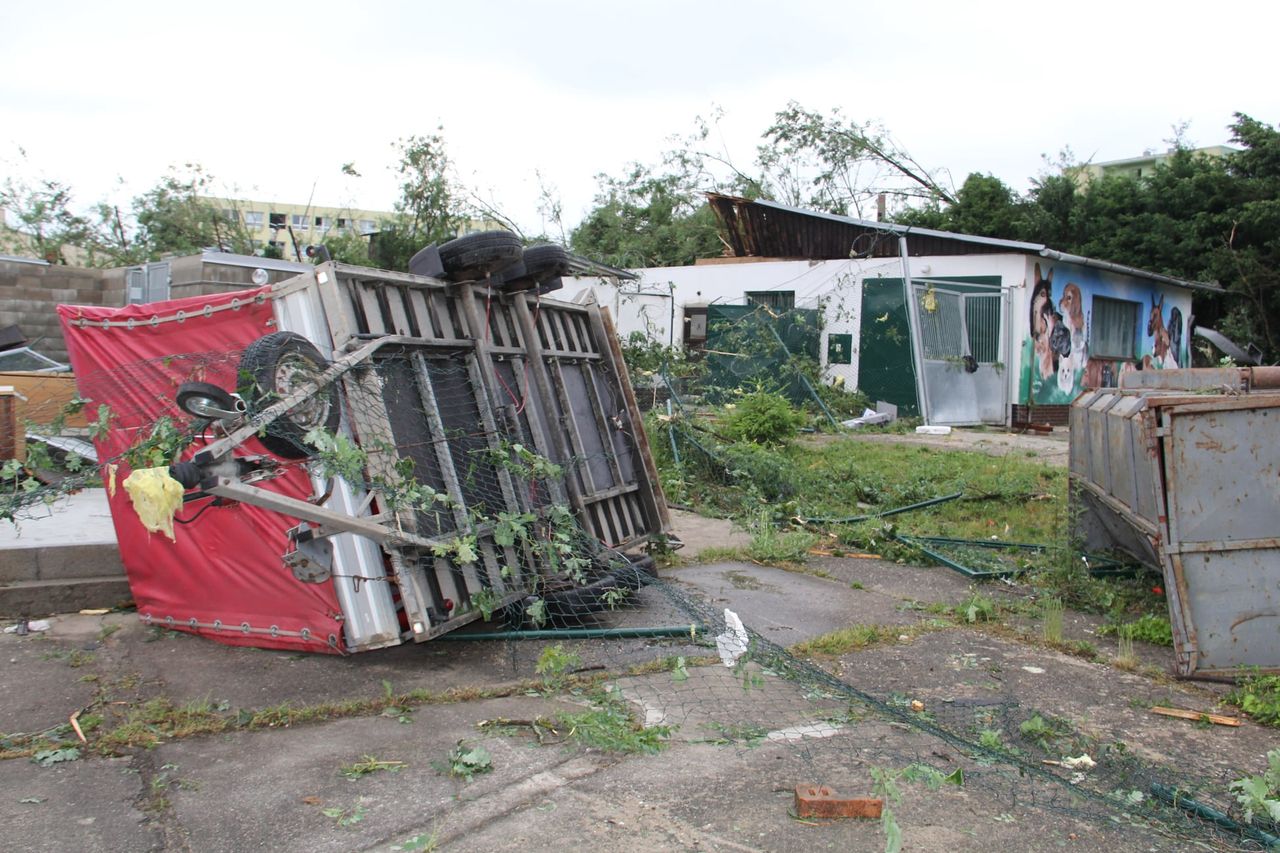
(983, 559)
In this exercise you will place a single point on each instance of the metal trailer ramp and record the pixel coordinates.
(468, 383)
(1181, 470)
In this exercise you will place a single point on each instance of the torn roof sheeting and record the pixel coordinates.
(767, 229)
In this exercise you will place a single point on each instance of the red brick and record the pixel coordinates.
(821, 801)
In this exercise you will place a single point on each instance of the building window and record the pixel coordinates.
(1114, 329)
(277, 220)
(774, 300)
(253, 219)
(367, 226)
(342, 223)
(323, 223)
(300, 222)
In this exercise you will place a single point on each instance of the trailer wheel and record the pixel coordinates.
(476, 255)
(275, 366)
(542, 263)
(204, 400)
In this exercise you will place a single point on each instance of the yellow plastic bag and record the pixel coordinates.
(156, 498)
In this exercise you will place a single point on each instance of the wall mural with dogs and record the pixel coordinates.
(1087, 327)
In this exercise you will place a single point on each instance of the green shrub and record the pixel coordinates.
(770, 473)
(763, 418)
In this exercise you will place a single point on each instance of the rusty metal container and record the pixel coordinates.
(1181, 470)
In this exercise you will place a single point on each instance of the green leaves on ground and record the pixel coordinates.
(465, 762)
(50, 757)
(1258, 696)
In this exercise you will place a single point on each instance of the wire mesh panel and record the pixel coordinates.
(942, 324)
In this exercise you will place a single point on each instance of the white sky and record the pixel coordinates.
(272, 98)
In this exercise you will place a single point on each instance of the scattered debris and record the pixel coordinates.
(1080, 762)
(1197, 716)
(156, 498)
(33, 626)
(732, 644)
(95, 611)
(75, 725)
(821, 801)
(883, 413)
(933, 430)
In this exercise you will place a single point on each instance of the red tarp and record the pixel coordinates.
(223, 578)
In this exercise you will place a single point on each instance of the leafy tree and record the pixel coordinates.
(42, 221)
(647, 219)
(174, 217)
(846, 164)
(431, 204)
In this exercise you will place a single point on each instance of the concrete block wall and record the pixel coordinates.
(29, 292)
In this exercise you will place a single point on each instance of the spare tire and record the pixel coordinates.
(273, 367)
(477, 255)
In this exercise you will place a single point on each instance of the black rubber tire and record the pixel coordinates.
(545, 261)
(267, 373)
(190, 392)
(539, 264)
(474, 256)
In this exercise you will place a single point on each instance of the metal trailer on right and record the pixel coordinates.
(1180, 469)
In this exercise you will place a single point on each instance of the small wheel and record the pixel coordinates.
(203, 400)
(476, 255)
(273, 367)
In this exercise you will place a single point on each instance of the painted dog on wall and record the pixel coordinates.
(1044, 322)
(1071, 341)
(1160, 339)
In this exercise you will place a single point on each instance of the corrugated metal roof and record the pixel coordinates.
(767, 229)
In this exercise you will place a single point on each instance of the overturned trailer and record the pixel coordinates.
(1181, 470)
(372, 457)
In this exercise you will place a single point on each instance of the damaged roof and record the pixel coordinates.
(767, 229)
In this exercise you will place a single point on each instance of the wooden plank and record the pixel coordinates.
(578, 457)
(541, 414)
(434, 311)
(372, 310)
(1197, 716)
(399, 317)
(485, 382)
(421, 312)
(602, 423)
(655, 503)
(338, 312)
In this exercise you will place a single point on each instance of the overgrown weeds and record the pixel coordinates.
(1258, 696)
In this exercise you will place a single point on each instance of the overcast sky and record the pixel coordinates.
(272, 98)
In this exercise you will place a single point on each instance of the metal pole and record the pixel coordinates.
(913, 323)
(691, 630)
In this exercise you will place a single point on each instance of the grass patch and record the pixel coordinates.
(720, 554)
(773, 546)
(844, 640)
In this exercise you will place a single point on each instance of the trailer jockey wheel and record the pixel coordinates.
(203, 400)
(273, 367)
